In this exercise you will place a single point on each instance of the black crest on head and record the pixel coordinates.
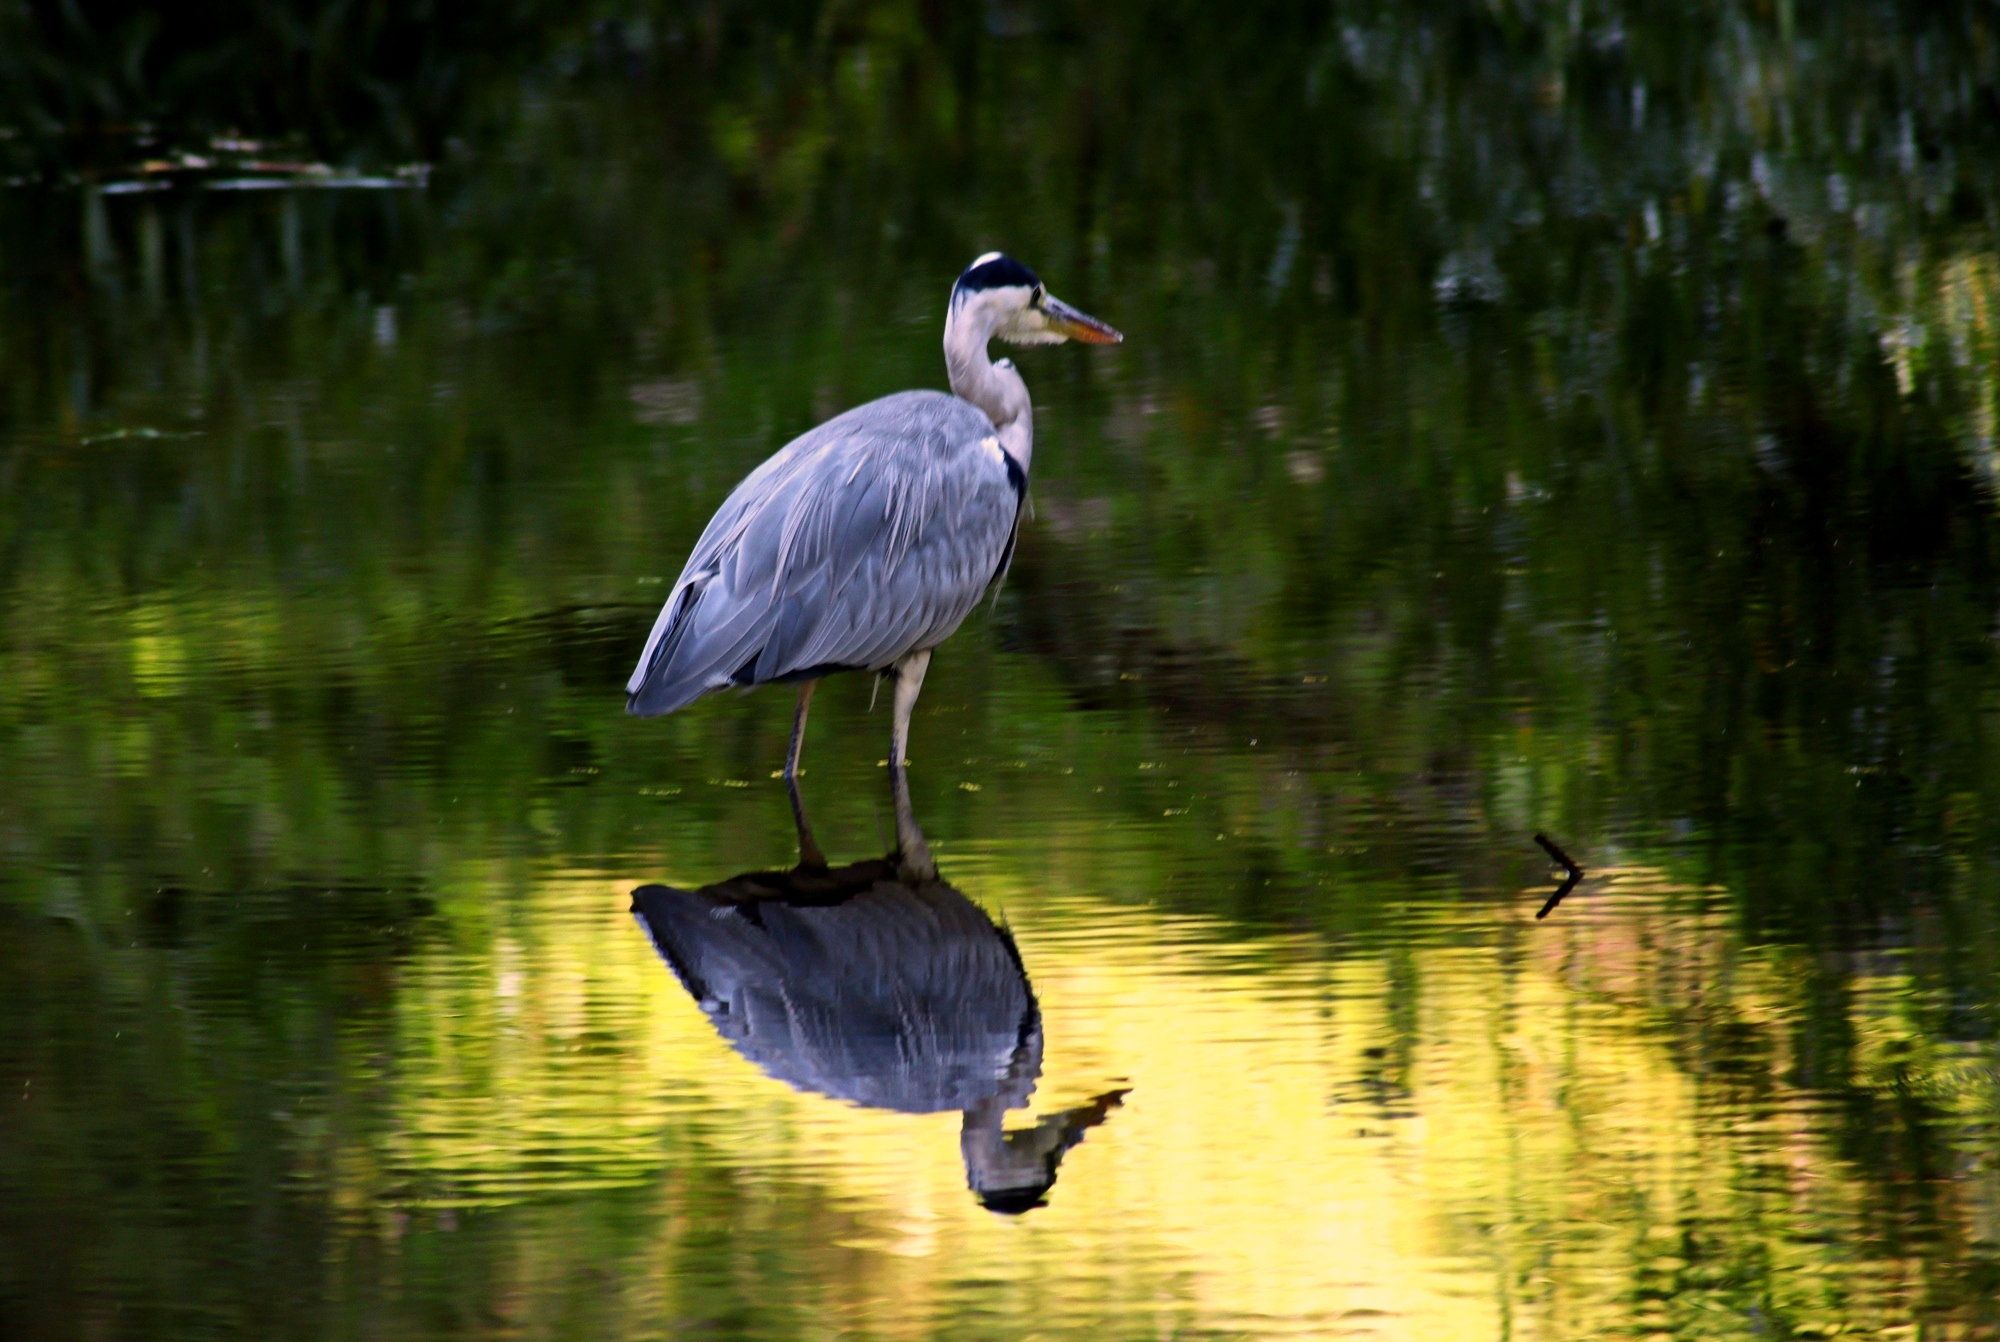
(995, 270)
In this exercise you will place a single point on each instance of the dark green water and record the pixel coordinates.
(1569, 419)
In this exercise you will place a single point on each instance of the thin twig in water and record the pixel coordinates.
(1569, 883)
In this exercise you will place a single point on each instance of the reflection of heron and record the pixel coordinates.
(864, 543)
(888, 994)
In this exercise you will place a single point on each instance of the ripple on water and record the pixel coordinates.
(1620, 1119)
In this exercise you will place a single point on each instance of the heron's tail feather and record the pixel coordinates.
(666, 678)
(703, 641)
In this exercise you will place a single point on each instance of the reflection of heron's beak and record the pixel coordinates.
(1063, 318)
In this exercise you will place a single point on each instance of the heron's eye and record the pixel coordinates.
(1041, 292)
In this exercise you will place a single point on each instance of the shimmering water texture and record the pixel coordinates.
(1475, 1126)
(1573, 420)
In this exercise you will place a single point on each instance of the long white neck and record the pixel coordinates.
(995, 388)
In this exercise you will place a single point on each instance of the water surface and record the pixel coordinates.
(1576, 420)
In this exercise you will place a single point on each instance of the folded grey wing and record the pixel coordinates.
(895, 998)
(871, 536)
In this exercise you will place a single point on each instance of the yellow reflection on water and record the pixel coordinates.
(1496, 1127)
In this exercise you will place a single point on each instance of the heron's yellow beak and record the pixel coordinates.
(1073, 325)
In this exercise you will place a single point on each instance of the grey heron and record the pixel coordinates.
(863, 544)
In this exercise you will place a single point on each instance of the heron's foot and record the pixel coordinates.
(915, 871)
(811, 859)
(914, 864)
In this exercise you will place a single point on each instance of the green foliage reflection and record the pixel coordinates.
(1541, 417)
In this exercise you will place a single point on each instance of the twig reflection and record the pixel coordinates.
(1569, 883)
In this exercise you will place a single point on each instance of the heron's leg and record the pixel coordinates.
(809, 853)
(913, 853)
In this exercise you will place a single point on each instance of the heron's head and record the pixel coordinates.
(1004, 298)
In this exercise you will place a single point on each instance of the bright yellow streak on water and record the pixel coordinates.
(1518, 1159)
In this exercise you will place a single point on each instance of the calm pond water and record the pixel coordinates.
(1575, 419)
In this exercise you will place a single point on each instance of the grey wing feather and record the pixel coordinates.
(867, 538)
